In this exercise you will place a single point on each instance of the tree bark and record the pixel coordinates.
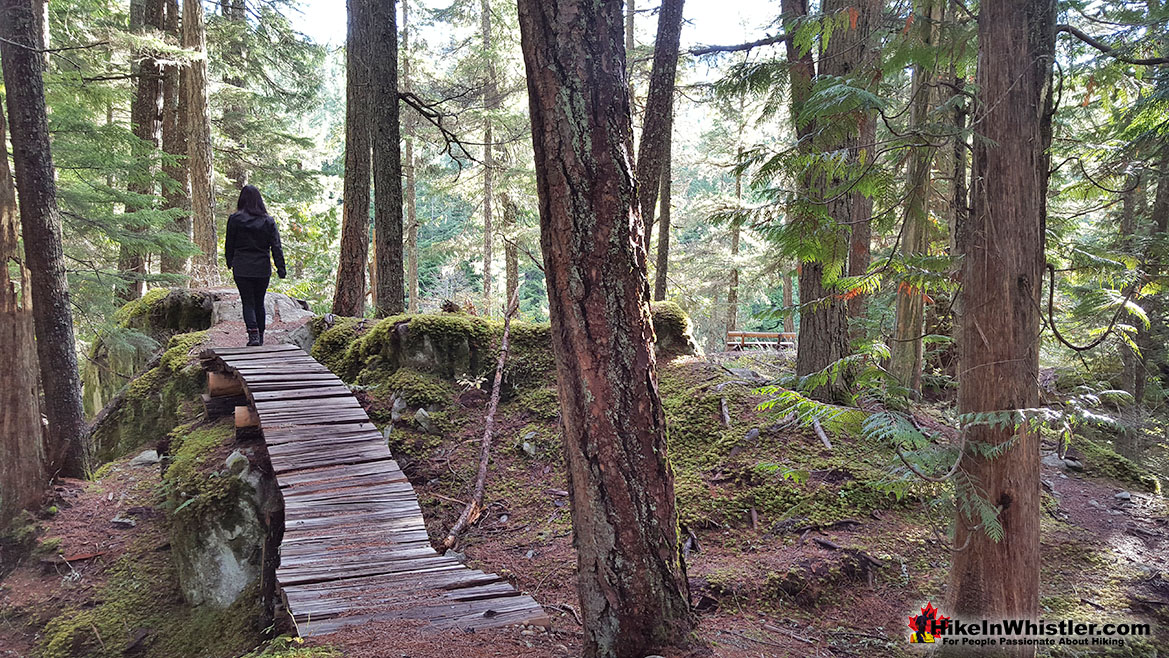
(234, 120)
(490, 96)
(349, 296)
(387, 157)
(1132, 376)
(21, 443)
(510, 250)
(631, 578)
(658, 111)
(999, 334)
(177, 193)
(146, 124)
(67, 441)
(411, 184)
(661, 271)
(194, 80)
(906, 360)
(789, 319)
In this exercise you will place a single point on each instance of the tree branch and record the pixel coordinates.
(699, 51)
(1107, 49)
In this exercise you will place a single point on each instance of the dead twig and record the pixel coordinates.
(474, 508)
(563, 607)
(820, 433)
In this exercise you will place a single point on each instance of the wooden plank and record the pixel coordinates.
(278, 347)
(246, 417)
(222, 384)
(303, 394)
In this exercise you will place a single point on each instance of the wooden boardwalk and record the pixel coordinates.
(355, 547)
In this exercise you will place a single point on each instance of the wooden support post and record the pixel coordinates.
(246, 417)
(222, 383)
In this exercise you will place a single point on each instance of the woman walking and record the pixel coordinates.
(252, 244)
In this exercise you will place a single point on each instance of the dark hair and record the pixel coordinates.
(251, 202)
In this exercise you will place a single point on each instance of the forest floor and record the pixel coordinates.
(826, 565)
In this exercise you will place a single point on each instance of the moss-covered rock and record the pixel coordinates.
(152, 403)
(1101, 460)
(675, 335)
(218, 509)
(141, 326)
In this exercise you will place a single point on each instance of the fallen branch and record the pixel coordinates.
(474, 508)
(820, 433)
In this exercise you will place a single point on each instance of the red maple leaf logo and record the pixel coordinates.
(929, 621)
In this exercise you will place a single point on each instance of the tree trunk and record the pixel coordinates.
(490, 95)
(631, 578)
(1132, 376)
(194, 81)
(906, 348)
(21, 444)
(510, 250)
(661, 272)
(387, 157)
(860, 234)
(349, 296)
(1001, 285)
(177, 193)
(67, 440)
(234, 124)
(146, 123)
(659, 106)
(630, 37)
(1158, 332)
(736, 231)
(411, 184)
(789, 320)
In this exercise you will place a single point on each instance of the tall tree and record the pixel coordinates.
(906, 360)
(655, 133)
(998, 337)
(661, 271)
(194, 81)
(490, 101)
(67, 449)
(631, 578)
(349, 295)
(146, 123)
(177, 193)
(1132, 376)
(21, 444)
(387, 157)
(510, 249)
(234, 124)
(411, 125)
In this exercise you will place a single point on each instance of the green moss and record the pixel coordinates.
(1099, 459)
(155, 401)
(673, 330)
(541, 403)
(193, 484)
(140, 595)
(332, 343)
(290, 647)
(412, 443)
(416, 388)
(48, 546)
(140, 308)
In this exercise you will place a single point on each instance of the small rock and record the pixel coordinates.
(1073, 465)
(530, 554)
(529, 449)
(145, 458)
(423, 419)
(530, 435)
(461, 557)
(503, 518)
(1092, 502)
(1123, 495)
(747, 373)
(1051, 459)
(397, 408)
(236, 462)
(123, 522)
(752, 434)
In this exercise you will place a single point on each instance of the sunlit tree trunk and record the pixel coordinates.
(176, 194)
(661, 271)
(411, 183)
(655, 133)
(1132, 376)
(21, 443)
(349, 295)
(67, 441)
(234, 123)
(194, 80)
(387, 158)
(510, 250)
(490, 96)
(631, 580)
(906, 361)
(999, 335)
(146, 123)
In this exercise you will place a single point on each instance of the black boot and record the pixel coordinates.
(261, 336)
(254, 338)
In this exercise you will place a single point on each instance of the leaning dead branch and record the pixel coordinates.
(474, 508)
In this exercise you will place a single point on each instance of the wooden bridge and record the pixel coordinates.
(355, 547)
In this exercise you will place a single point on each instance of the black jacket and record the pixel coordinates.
(247, 246)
